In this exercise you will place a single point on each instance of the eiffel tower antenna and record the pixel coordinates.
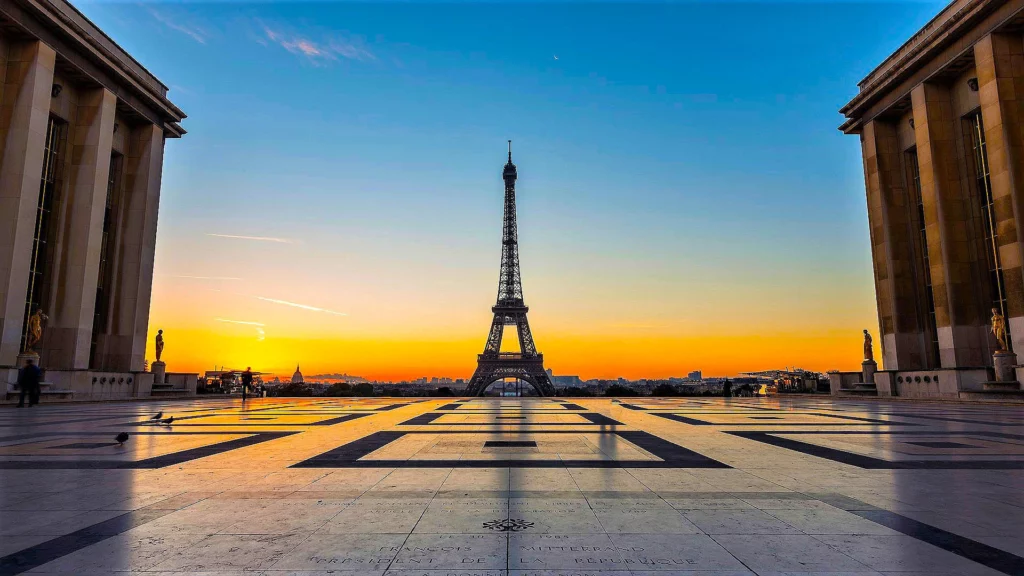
(510, 310)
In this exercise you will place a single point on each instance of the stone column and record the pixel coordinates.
(898, 289)
(69, 338)
(24, 111)
(999, 60)
(959, 321)
(125, 347)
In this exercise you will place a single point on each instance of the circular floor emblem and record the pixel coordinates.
(509, 525)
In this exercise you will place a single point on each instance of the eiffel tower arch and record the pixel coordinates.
(510, 310)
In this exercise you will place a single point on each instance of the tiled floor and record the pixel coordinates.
(708, 487)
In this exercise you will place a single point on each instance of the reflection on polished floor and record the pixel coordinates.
(694, 486)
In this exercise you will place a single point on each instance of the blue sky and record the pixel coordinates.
(679, 162)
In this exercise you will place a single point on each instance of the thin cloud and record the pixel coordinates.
(317, 52)
(350, 50)
(203, 277)
(240, 322)
(260, 334)
(302, 306)
(256, 238)
(192, 32)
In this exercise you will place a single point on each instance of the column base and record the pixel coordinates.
(999, 386)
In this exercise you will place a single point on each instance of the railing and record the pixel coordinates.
(510, 356)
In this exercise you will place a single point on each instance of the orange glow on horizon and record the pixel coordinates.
(398, 315)
(588, 357)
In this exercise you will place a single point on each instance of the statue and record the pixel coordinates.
(159, 344)
(999, 328)
(35, 330)
(869, 353)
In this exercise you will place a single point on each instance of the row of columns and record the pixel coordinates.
(958, 270)
(1000, 68)
(68, 336)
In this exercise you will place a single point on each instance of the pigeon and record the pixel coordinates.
(158, 416)
(167, 420)
(121, 438)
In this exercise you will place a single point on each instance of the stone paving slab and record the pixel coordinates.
(513, 487)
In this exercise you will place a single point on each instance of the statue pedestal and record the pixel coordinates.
(1004, 361)
(27, 356)
(867, 371)
(159, 370)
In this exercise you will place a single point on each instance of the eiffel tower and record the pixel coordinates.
(510, 310)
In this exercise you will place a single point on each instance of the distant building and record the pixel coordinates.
(297, 377)
(790, 380)
(564, 381)
(695, 375)
(228, 379)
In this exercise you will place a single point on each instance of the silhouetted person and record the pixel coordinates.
(246, 381)
(727, 389)
(28, 383)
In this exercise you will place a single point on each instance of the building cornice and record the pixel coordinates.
(58, 22)
(948, 30)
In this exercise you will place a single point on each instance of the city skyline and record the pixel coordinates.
(446, 379)
(338, 201)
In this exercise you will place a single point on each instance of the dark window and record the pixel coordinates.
(108, 250)
(997, 286)
(930, 329)
(44, 233)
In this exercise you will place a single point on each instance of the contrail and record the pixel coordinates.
(240, 322)
(258, 238)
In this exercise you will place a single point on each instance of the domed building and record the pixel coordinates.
(297, 377)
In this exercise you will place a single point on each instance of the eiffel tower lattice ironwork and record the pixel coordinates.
(527, 364)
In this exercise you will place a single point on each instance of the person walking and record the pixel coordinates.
(29, 378)
(246, 381)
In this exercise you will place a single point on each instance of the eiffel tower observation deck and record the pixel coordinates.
(510, 310)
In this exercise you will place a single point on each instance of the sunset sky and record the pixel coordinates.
(685, 199)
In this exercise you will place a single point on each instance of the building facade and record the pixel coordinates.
(941, 125)
(82, 132)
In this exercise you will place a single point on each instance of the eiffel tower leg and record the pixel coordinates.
(493, 345)
(526, 344)
(479, 382)
(541, 381)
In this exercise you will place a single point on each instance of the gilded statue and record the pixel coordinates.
(159, 344)
(35, 330)
(999, 328)
(869, 353)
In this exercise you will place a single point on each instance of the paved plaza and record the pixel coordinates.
(695, 486)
